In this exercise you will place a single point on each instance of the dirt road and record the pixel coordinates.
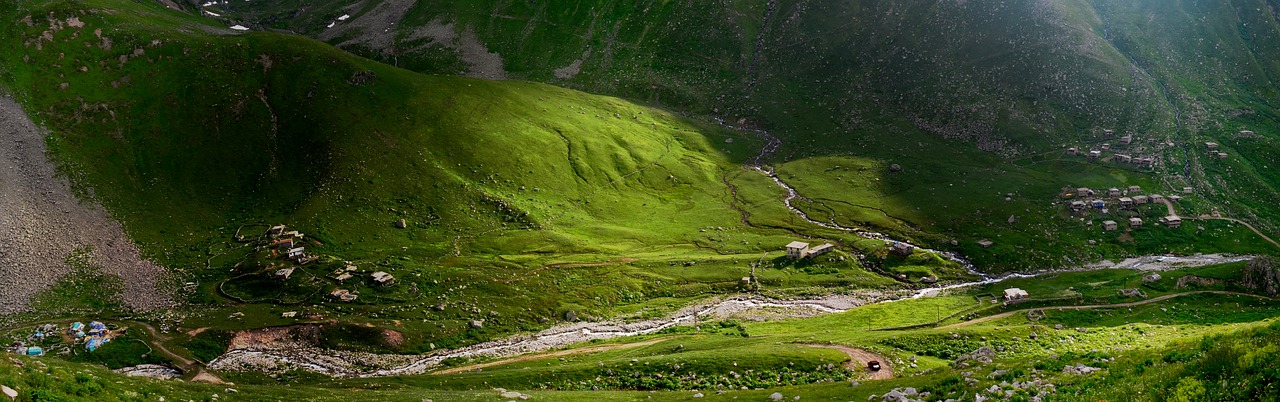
(567, 352)
(1094, 306)
(1246, 224)
(42, 222)
(1169, 204)
(858, 361)
(195, 368)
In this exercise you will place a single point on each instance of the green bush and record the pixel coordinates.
(208, 345)
(124, 351)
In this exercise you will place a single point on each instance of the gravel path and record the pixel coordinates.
(42, 223)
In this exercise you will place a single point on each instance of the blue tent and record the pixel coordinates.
(93, 344)
(76, 326)
(35, 351)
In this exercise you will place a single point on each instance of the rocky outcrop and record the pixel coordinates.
(1262, 274)
(981, 356)
(1192, 280)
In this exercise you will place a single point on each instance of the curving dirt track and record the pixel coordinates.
(1095, 306)
(42, 222)
(858, 361)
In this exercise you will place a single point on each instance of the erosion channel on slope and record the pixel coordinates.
(275, 354)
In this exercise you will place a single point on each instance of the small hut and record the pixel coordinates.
(820, 250)
(1011, 294)
(383, 278)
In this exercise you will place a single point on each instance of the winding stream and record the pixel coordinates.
(343, 364)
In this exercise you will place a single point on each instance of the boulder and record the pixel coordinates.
(477, 324)
(401, 224)
(777, 396)
(982, 355)
(9, 392)
(1151, 278)
(894, 396)
(1080, 369)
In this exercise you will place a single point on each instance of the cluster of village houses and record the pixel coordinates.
(1128, 199)
(92, 336)
(1099, 153)
(289, 244)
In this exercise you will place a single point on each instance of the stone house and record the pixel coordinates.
(797, 249)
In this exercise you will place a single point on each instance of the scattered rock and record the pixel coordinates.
(1151, 278)
(151, 371)
(895, 168)
(12, 394)
(362, 78)
(1080, 369)
(401, 224)
(697, 395)
(43, 223)
(477, 324)
(982, 355)
(570, 316)
(1192, 280)
(777, 396)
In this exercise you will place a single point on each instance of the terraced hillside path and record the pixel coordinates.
(1096, 306)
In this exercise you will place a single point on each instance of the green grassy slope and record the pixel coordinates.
(979, 99)
(523, 202)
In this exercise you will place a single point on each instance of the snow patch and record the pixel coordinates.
(344, 17)
(239, 27)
